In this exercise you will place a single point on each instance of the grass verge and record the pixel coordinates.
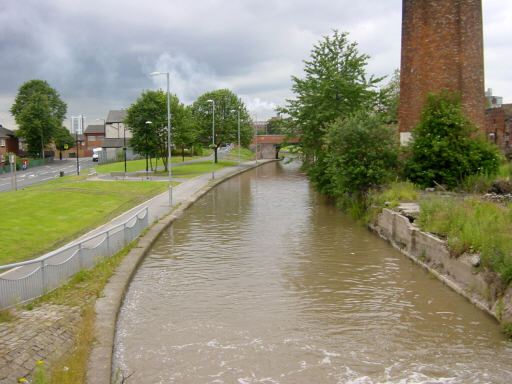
(40, 218)
(139, 165)
(472, 225)
(198, 168)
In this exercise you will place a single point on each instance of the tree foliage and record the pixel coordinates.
(275, 126)
(227, 104)
(389, 98)
(443, 149)
(151, 138)
(39, 113)
(63, 139)
(362, 154)
(335, 86)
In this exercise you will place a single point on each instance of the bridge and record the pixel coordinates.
(267, 146)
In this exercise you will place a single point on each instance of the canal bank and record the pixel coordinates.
(262, 280)
(107, 307)
(462, 274)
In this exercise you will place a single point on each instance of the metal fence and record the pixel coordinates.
(28, 280)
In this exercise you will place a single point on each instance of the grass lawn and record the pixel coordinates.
(197, 168)
(138, 165)
(40, 218)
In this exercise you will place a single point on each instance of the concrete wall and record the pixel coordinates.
(433, 254)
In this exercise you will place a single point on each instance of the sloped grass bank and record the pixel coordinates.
(472, 225)
(38, 219)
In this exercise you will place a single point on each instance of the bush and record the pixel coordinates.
(362, 153)
(443, 149)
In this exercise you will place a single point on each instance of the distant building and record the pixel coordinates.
(77, 124)
(498, 127)
(114, 126)
(94, 136)
(493, 101)
(9, 143)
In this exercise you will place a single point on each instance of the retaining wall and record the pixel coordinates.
(459, 273)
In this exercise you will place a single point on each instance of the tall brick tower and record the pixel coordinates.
(442, 48)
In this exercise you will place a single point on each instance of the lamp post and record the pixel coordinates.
(238, 115)
(213, 137)
(168, 132)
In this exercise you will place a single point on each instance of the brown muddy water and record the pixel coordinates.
(263, 281)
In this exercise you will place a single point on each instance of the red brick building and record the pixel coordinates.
(498, 127)
(8, 141)
(442, 48)
(94, 137)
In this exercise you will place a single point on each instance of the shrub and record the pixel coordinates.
(362, 154)
(443, 149)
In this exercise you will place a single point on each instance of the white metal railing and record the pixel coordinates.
(28, 280)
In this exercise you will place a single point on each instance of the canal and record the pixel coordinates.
(263, 281)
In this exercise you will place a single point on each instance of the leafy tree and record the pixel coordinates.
(362, 153)
(226, 119)
(443, 149)
(275, 126)
(63, 139)
(335, 85)
(39, 112)
(389, 98)
(151, 139)
(185, 134)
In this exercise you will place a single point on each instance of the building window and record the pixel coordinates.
(92, 138)
(101, 137)
(2, 142)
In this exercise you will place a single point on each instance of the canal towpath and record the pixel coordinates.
(47, 331)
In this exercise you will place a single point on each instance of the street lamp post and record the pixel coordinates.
(168, 132)
(238, 115)
(213, 137)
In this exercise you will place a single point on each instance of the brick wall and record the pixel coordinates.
(498, 127)
(442, 48)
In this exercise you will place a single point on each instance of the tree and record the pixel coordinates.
(151, 139)
(185, 134)
(389, 98)
(335, 85)
(226, 119)
(63, 139)
(443, 149)
(275, 126)
(39, 112)
(362, 154)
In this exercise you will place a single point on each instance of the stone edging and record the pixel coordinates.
(99, 370)
(432, 254)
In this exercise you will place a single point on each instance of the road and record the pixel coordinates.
(44, 173)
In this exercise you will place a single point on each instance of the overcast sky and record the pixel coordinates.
(98, 54)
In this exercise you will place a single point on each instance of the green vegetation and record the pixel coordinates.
(6, 316)
(245, 155)
(137, 165)
(40, 218)
(147, 119)
(39, 113)
(361, 154)
(227, 108)
(200, 167)
(443, 151)
(472, 225)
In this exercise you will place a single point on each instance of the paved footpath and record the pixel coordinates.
(47, 332)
